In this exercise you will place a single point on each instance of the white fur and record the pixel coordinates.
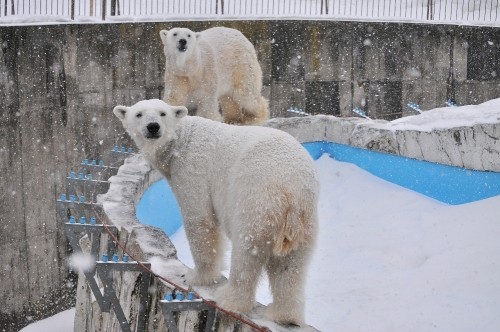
(216, 65)
(256, 185)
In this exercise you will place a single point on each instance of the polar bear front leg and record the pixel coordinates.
(209, 108)
(207, 249)
(176, 91)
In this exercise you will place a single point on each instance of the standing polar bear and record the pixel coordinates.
(212, 66)
(256, 185)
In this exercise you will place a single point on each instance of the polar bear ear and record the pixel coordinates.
(180, 112)
(198, 35)
(120, 111)
(163, 35)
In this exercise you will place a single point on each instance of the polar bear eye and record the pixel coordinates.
(138, 115)
(189, 36)
(175, 34)
(163, 114)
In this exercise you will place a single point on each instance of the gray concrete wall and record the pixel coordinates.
(58, 85)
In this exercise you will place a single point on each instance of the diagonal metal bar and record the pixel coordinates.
(105, 272)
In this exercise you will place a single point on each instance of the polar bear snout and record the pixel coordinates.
(182, 45)
(153, 130)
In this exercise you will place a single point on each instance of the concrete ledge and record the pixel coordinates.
(476, 147)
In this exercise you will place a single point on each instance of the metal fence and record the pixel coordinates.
(484, 12)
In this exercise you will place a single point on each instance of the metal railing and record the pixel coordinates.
(485, 12)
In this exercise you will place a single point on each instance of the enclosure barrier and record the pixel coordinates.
(483, 12)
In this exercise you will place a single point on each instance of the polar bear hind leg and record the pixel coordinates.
(238, 294)
(244, 111)
(209, 108)
(243, 104)
(256, 111)
(231, 111)
(287, 278)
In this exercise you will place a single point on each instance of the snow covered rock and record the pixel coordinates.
(466, 136)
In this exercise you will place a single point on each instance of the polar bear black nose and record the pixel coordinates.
(182, 42)
(153, 127)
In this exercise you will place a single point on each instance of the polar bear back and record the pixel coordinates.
(227, 146)
(232, 49)
(241, 166)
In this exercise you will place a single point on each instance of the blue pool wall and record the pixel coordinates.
(448, 184)
(159, 208)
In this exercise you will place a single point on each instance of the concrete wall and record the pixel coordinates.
(58, 85)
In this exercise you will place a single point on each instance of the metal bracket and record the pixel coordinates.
(119, 154)
(74, 233)
(169, 307)
(415, 107)
(98, 171)
(104, 270)
(108, 299)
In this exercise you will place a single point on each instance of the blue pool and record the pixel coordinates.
(448, 184)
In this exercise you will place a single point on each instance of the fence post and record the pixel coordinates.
(113, 7)
(72, 9)
(430, 9)
(221, 7)
(324, 7)
(103, 10)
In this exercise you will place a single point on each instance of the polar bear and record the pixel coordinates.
(256, 185)
(212, 66)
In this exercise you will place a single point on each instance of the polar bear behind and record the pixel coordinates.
(255, 185)
(218, 65)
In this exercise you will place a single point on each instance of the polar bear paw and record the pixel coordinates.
(285, 315)
(195, 277)
(233, 299)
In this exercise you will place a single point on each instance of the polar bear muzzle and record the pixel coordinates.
(182, 45)
(153, 130)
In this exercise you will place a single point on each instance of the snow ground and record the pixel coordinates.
(61, 322)
(389, 259)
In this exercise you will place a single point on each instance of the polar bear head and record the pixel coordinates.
(179, 40)
(150, 123)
